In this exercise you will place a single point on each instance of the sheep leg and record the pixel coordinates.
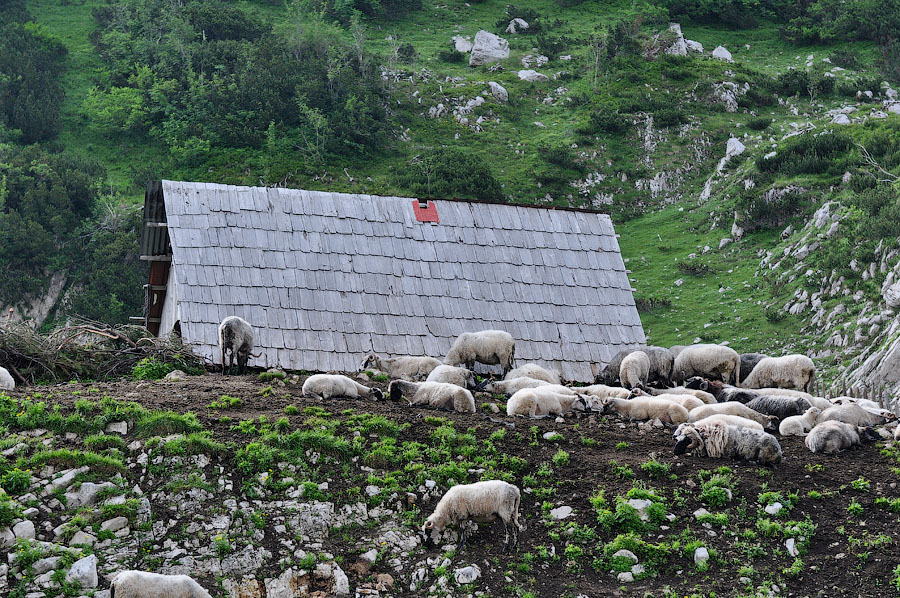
(462, 537)
(506, 536)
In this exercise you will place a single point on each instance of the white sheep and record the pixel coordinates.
(789, 371)
(799, 425)
(143, 584)
(481, 502)
(783, 392)
(6, 380)
(645, 408)
(438, 395)
(717, 439)
(897, 433)
(687, 401)
(235, 338)
(406, 367)
(543, 401)
(709, 361)
(704, 396)
(748, 362)
(490, 347)
(834, 436)
(635, 370)
(329, 386)
(533, 370)
(731, 420)
(510, 387)
(867, 404)
(732, 408)
(851, 413)
(601, 391)
(451, 374)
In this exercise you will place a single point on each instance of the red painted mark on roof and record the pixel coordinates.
(426, 214)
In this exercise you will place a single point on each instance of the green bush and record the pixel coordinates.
(792, 82)
(9, 510)
(759, 124)
(669, 117)
(16, 481)
(605, 119)
(809, 154)
(449, 172)
(150, 368)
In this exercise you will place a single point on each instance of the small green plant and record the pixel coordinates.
(896, 579)
(854, 508)
(656, 469)
(266, 376)
(223, 546)
(622, 446)
(267, 391)
(9, 511)
(815, 467)
(795, 569)
(150, 368)
(561, 458)
(225, 402)
(16, 481)
(622, 471)
(860, 484)
(814, 494)
(291, 410)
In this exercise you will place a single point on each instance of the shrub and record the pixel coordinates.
(448, 172)
(16, 481)
(792, 82)
(808, 154)
(670, 117)
(605, 119)
(759, 124)
(845, 59)
(150, 368)
(693, 268)
(452, 55)
(9, 510)
(529, 15)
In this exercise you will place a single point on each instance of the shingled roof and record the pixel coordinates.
(326, 278)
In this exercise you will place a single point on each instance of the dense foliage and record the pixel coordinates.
(451, 173)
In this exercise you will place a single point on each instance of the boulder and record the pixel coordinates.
(6, 380)
(176, 376)
(561, 512)
(117, 428)
(461, 44)
(467, 574)
(24, 529)
(516, 25)
(488, 48)
(626, 554)
(669, 41)
(534, 76)
(86, 494)
(840, 119)
(84, 572)
(701, 555)
(693, 46)
(498, 91)
(722, 54)
(640, 505)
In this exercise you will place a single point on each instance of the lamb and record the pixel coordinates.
(438, 395)
(748, 362)
(799, 425)
(142, 584)
(788, 371)
(780, 407)
(236, 336)
(709, 361)
(610, 374)
(661, 362)
(850, 413)
(491, 347)
(452, 375)
(732, 420)
(601, 391)
(6, 380)
(328, 386)
(510, 387)
(481, 502)
(533, 370)
(716, 439)
(867, 404)
(634, 370)
(407, 367)
(541, 402)
(704, 396)
(721, 391)
(644, 408)
(732, 408)
(833, 436)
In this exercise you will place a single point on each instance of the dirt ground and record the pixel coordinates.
(839, 563)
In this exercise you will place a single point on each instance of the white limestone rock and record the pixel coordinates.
(488, 48)
(498, 91)
(722, 54)
(533, 76)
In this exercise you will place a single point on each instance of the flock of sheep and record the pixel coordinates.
(721, 403)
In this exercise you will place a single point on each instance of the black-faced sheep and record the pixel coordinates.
(142, 584)
(645, 408)
(661, 362)
(681, 390)
(407, 367)
(733, 408)
(634, 370)
(510, 387)
(789, 371)
(731, 420)
(7, 382)
(610, 374)
(235, 338)
(799, 425)
(851, 413)
(543, 402)
(533, 370)
(481, 502)
(748, 362)
(437, 395)
(451, 374)
(329, 386)
(490, 347)
(710, 361)
(834, 436)
(716, 439)
(780, 407)
(721, 391)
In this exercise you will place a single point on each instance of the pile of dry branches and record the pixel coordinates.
(85, 351)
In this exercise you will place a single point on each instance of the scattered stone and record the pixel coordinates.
(462, 44)
(341, 583)
(637, 569)
(840, 119)
(467, 574)
(774, 508)
(7, 538)
(516, 25)
(24, 529)
(693, 46)
(384, 582)
(500, 94)
(625, 577)
(47, 564)
(373, 490)
(550, 435)
(81, 537)
(640, 505)
(700, 513)
(533, 76)
(175, 376)
(561, 512)
(669, 41)
(84, 572)
(488, 48)
(722, 54)
(86, 494)
(701, 555)
(626, 554)
(114, 524)
(791, 546)
(679, 282)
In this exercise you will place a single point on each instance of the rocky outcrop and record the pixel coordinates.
(533, 76)
(488, 48)
(669, 41)
(722, 54)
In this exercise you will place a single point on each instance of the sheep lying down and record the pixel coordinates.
(510, 386)
(717, 439)
(142, 584)
(437, 395)
(833, 436)
(481, 502)
(329, 386)
(544, 401)
(405, 367)
(645, 408)
(533, 370)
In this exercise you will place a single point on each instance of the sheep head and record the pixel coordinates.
(687, 438)
(582, 404)
(637, 391)
(696, 383)
(377, 394)
(369, 362)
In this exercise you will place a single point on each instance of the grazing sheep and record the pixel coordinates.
(780, 407)
(710, 361)
(142, 584)
(833, 436)
(748, 362)
(681, 390)
(236, 336)
(542, 402)
(731, 420)
(6, 380)
(721, 391)
(490, 347)
(438, 395)
(601, 391)
(789, 371)
(510, 387)
(644, 408)
(533, 370)
(661, 362)
(799, 425)
(851, 413)
(732, 408)
(610, 374)
(716, 439)
(407, 367)
(328, 386)
(634, 370)
(481, 502)
(452, 375)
